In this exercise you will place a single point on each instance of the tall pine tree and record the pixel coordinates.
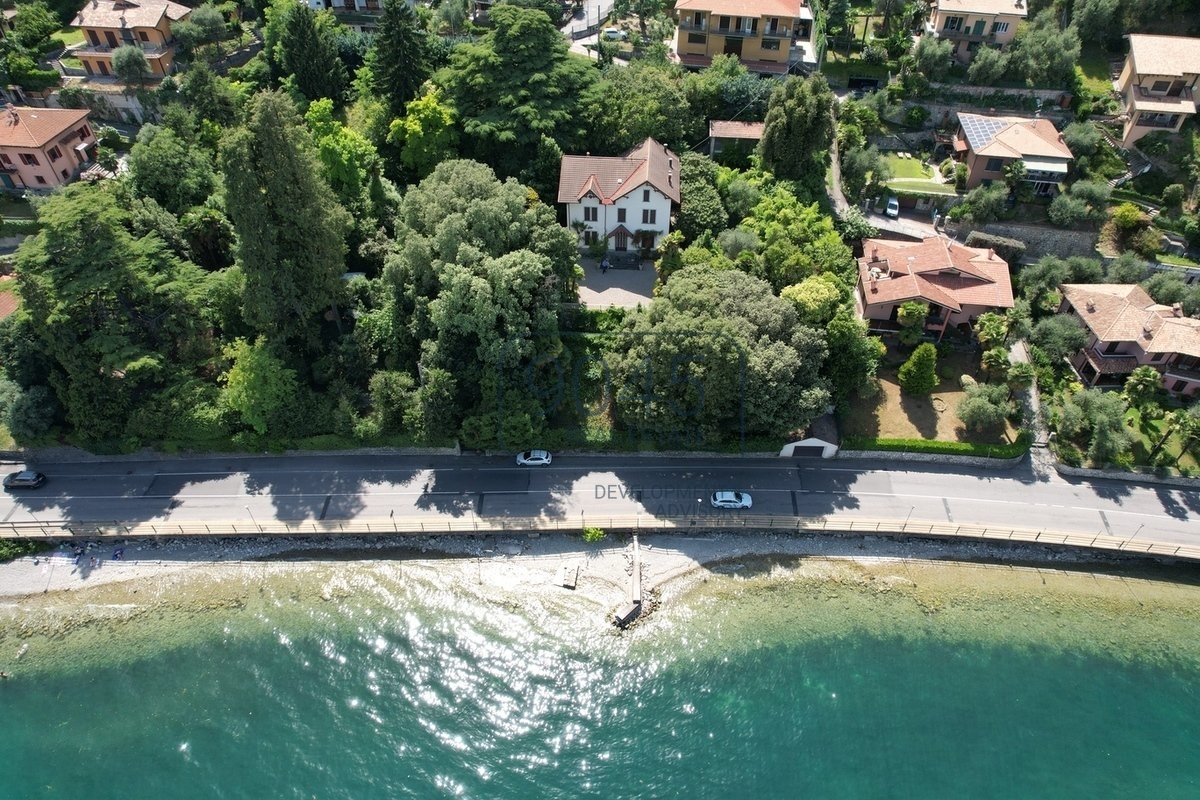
(798, 131)
(399, 57)
(308, 54)
(290, 229)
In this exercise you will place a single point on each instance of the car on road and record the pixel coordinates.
(614, 35)
(730, 500)
(893, 207)
(26, 479)
(534, 458)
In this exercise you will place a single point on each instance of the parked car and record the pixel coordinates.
(730, 500)
(614, 34)
(26, 479)
(893, 207)
(534, 458)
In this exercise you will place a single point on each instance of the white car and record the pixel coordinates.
(730, 500)
(534, 458)
(614, 34)
(893, 207)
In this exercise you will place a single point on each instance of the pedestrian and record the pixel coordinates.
(604, 265)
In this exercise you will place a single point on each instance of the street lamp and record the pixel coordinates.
(907, 518)
(252, 519)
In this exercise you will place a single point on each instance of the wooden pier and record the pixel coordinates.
(630, 611)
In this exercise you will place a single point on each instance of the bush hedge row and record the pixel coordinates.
(1017, 448)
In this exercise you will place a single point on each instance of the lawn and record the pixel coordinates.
(894, 415)
(1147, 432)
(908, 167)
(922, 187)
(70, 36)
(1093, 68)
(1176, 261)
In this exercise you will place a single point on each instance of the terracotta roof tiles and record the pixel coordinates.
(1164, 55)
(1126, 313)
(935, 270)
(21, 126)
(611, 177)
(124, 14)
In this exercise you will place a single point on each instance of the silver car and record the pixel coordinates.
(534, 458)
(730, 500)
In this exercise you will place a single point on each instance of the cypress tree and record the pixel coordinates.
(399, 58)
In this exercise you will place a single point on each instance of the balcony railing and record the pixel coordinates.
(780, 33)
(150, 50)
(1184, 96)
(966, 36)
(692, 25)
(1145, 120)
(740, 30)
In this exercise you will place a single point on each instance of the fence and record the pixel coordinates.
(480, 525)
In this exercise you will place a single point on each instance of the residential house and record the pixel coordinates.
(109, 24)
(726, 134)
(41, 148)
(971, 24)
(771, 37)
(989, 144)
(957, 282)
(7, 20)
(625, 200)
(1158, 84)
(1127, 329)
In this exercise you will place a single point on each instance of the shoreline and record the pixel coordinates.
(666, 558)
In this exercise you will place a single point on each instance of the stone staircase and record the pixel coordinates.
(1136, 164)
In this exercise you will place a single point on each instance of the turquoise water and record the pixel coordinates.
(771, 685)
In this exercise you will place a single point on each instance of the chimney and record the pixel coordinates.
(991, 254)
(1177, 309)
(874, 254)
(871, 281)
(1091, 305)
(670, 179)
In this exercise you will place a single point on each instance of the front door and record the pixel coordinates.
(979, 27)
(733, 46)
(622, 241)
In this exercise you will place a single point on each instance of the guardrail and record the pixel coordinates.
(481, 525)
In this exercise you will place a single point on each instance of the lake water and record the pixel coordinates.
(770, 678)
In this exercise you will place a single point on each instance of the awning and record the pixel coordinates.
(1042, 165)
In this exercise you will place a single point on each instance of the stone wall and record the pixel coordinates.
(934, 458)
(1040, 240)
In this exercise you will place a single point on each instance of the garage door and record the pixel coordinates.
(808, 451)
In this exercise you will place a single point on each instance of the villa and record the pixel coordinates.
(41, 148)
(109, 24)
(989, 144)
(957, 282)
(1158, 84)
(971, 24)
(1127, 329)
(771, 37)
(626, 200)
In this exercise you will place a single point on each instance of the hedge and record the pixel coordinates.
(1018, 448)
(1011, 250)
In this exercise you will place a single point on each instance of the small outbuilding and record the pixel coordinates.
(820, 440)
(725, 134)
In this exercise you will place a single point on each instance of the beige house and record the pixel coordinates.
(971, 24)
(1128, 329)
(957, 282)
(41, 148)
(769, 36)
(109, 24)
(1158, 84)
(989, 144)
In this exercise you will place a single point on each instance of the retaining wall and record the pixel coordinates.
(1122, 475)
(933, 458)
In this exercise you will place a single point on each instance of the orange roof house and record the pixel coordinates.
(1127, 329)
(109, 24)
(957, 282)
(41, 148)
(626, 200)
(988, 144)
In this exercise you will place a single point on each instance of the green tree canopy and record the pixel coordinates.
(798, 132)
(426, 134)
(714, 351)
(399, 59)
(854, 358)
(1059, 336)
(291, 230)
(918, 375)
(629, 104)
(258, 385)
(700, 208)
(798, 240)
(130, 65)
(817, 298)
(307, 53)
(170, 170)
(516, 85)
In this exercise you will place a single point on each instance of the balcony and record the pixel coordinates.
(741, 30)
(779, 33)
(1156, 120)
(692, 25)
(965, 36)
(150, 51)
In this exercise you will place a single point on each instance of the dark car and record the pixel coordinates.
(24, 480)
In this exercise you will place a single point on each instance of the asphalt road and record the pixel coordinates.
(431, 487)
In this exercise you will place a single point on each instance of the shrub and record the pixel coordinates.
(1017, 448)
(1128, 217)
(875, 54)
(1173, 195)
(916, 116)
(984, 407)
(960, 177)
(1066, 211)
(593, 535)
(1011, 250)
(31, 413)
(918, 375)
(1146, 242)
(947, 168)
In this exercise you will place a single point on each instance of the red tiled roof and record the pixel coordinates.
(935, 270)
(1124, 312)
(34, 127)
(118, 14)
(9, 303)
(728, 129)
(610, 178)
(744, 8)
